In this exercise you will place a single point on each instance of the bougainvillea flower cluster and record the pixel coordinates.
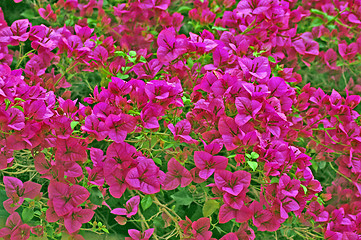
(158, 119)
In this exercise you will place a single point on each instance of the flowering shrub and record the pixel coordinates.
(159, 119)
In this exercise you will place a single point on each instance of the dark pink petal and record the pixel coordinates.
(78, 194)
(31, 190)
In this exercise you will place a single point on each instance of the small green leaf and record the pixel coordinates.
(105, 230)
(322, 165)
(19, 99)
(271, 59)
(158, 161)
(184, 9)
(219, 28)
(132, 53)
(248, 156)
(120, 53)
(142, 59)
(182, 197)
(253, 165)
(314, 165)
(275, 180)
(96, 196)
(317, 21)
(210, 207)
(146, 202)
(27, 214)
(254, 155)
(122, 76)
(231, 156)
(19, 107)
(28, 13)
(73, 124)
(7, 102)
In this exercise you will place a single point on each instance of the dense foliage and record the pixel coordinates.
(159, 119)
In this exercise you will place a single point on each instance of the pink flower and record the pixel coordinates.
(208, 163)
(131, 207)
(78, 216)
(137, 235)
(176, 175)
(144, 176)
(232, 183)
(170, 47)
(65, 198)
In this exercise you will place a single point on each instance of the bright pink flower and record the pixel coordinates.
(144, 176)
(181, 131)
(208, 163)
(247, 110)
(116, 182)
(246, 7)
(262, 218)
(258, 67)
(21, 233)
(330, 58)
(65, 198)
(131, 207)
(47, 13)
(78, 216)
(170, 47)
(200, 229)
(70, 150)
(232, 183)
(176, 175)
(137, 235)
(95, 127)
(16, 190)
(348, 52)
(288, 187)
(226, 213)
(119, 126)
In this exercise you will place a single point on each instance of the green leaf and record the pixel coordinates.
(317, 21)
(73, 124)
(28, 13)
(322, 165)
(27, 214)
(182, 197)
(158, 161)
(210, 207)
(7, 102)
(122, 76)
(271, 59)
(184, 9)
(316, 11)
(253, 165)
(19, 107)
(314, 165)
(142, 59)
(304, 188)
(132, 53)
(96, 196)
(146, 202)
(120, 53)
(19, 99)
(231, 156)
(219, 28)
(248, 156)
(275, 180)
(254, 155)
